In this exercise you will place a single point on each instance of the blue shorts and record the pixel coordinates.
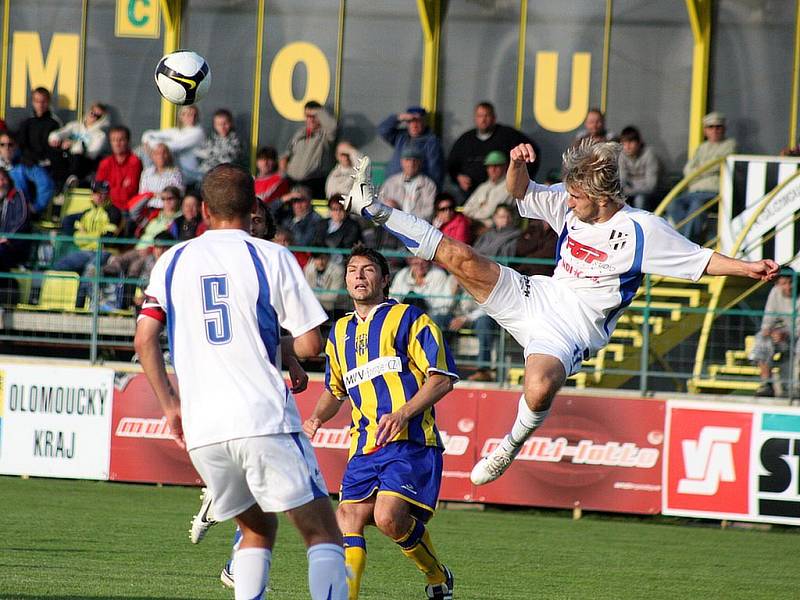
(404, 469)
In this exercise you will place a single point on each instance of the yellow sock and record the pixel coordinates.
(417, 545)
(355, 558)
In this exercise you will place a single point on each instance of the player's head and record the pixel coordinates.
(228, 194)
(591, 176)
(785, 280)
(367, 275)
(262, 225)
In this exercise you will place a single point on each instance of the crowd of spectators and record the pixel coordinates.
(150, 191)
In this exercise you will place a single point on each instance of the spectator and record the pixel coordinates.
(413, 191)
(537, 241)
(33, 132)
(409, 128)
(638, 169)
(14, 218)
(449, 222)
(284, 238)
(594, 126)
(33, 181)
(182, 141)
(185, 226)
(78, 146)
(491, 193)
(326, 277)
(270, 184)
(122, 170)
(466, 161)
(340, 179)
(304, 222)
(501, 239)
(161, 243)
(427, 286)
(261, 223)
(340, 230)
(224, 145)
(775, 335)
(380, 238)
(161, 173)
(469, 314)
(309, 156)
(706, 186)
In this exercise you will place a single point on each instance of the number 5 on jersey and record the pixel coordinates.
(218, 322)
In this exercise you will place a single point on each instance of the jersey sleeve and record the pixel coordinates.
(668, 253)
(334, 380)
(155, 295)
(545, 202)
(297, 308)
(427, 348)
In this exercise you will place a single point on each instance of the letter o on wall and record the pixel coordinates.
(318, 81)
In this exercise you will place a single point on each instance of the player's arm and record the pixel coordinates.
(765, 269)
(297, 374)
(517, 176)
(147, 346)
(327, 407)
(306, 345)
(436, 386)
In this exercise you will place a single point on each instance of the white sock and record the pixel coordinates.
(420, 237)
(327, 578)
(526, 423)
(251, 566)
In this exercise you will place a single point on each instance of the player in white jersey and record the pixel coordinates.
(604, 249)
(223, 298)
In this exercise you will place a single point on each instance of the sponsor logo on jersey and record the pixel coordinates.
(525, 286)
(585, 253)
(618, 239)
(362, 343)
(371, 370)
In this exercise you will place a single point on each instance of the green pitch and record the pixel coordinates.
(65, 540)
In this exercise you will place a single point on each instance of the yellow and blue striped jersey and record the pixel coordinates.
(380, 363)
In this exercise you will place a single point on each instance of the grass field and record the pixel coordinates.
(65, 539)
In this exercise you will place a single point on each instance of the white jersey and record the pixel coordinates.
(603, 263)
(225, 296)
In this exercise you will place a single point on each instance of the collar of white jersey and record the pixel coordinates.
(235, 232)
(372, 311)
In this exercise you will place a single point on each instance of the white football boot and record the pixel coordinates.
(494, 464)
(204, 519)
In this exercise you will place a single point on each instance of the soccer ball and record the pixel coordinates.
(183, 77)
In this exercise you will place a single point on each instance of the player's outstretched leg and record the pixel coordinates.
(226, 575)
(544, 376)
(204, 519)
(420, 237)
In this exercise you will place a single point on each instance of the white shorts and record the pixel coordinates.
(278, 472)
(540, 316)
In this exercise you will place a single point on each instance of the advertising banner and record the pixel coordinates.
(732, 461)
(55, 421)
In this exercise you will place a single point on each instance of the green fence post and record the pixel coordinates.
(95, 304)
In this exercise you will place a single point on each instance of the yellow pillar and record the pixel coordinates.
(795, 78)
(4, 64)
(172, 11)
(523, 32)
(255, 113)
(430, 19)
(606, 53)
(700, 20)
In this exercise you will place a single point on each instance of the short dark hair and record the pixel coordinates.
(312, 104)
(223, 112)
(163, 236)
(228, 191)
(269, 221)
(173, 191)
(43, 91)
(120, 129)
(336, 199)
(485, 104)
(630, 134)
(267, 153)
(375, 258)
(786, 271)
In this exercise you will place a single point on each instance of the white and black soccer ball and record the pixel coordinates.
(183, 77)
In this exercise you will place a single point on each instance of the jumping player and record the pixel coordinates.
(392, 362)
(604, 249)
(224, 297)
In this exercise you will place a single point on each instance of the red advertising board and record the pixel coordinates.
(707, 467)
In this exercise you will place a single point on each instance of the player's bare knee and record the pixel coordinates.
(391, 523)
(540, 389)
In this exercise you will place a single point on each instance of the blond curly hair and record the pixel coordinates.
(594, 168)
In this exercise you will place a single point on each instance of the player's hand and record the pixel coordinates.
(765, 270)
(523, 153)
(464, 181)
(176, 427)
(297, 376)
(457, 323)
(390, 426)
(310, 426)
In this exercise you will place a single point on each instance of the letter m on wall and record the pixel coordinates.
(58, 73)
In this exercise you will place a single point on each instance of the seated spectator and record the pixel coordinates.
(326, 278)
(283, 237)
(340, 179)
(182, 142)
(161, 243)
(32, 180)
(161, 173)
(309, 156)
(34, 131)
(426, 285)
(775, 336)
(466, 162)
(501, 239)
(706, 186)
(14, 218)
(78, 146)
(451, 223)
(270, 184)
(224, 145)
(638, 169)
(469, 314)
(185, 226)
(594, 127)
(340, 230)
(304, 222)
(491, 193)
(413, 191)
(537, 241)
(122, 170)
(404, 129)
(262, 225)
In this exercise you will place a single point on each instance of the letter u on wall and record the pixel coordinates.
(545, 106)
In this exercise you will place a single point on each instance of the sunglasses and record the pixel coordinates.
(446, 207)
(96, 115)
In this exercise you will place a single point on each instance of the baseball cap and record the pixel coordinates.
(416, 110)
(495, 157)
(411, 151)
(101, 186)
(713, 118)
